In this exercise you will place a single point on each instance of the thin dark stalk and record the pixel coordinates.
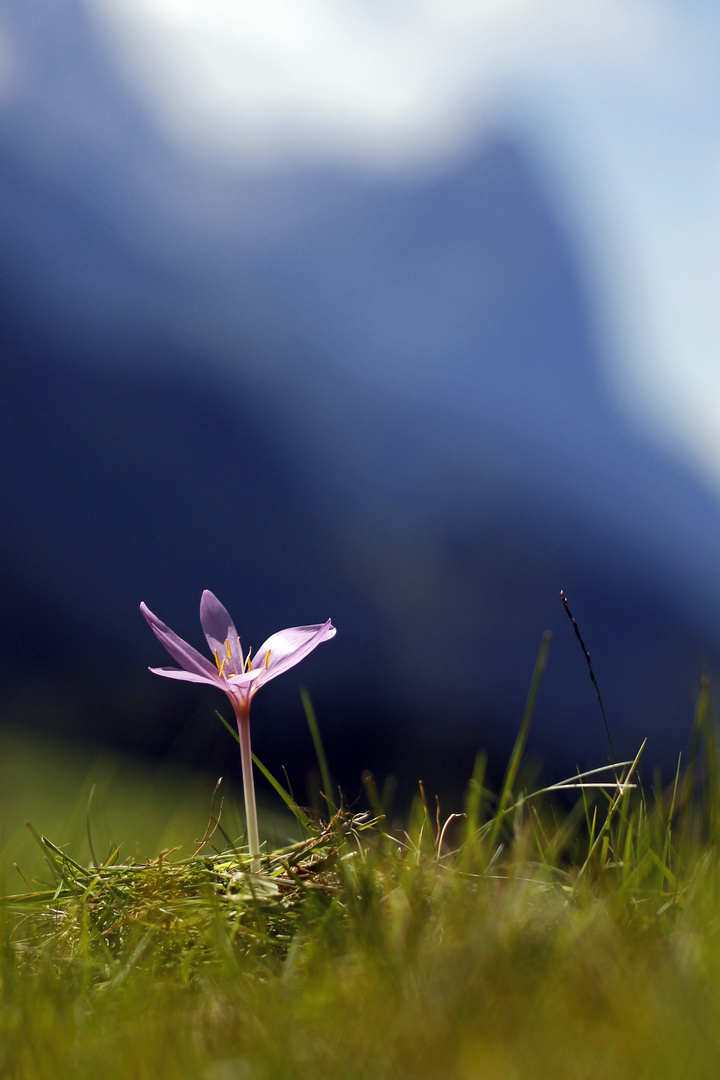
(593, 680)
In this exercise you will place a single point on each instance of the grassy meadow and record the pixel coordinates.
(571, 932)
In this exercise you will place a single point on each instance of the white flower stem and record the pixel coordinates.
(243, 723)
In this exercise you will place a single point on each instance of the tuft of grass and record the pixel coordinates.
(570, 931)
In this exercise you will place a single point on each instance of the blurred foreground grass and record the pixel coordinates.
(570, 933)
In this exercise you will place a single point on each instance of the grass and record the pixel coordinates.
(572, 932)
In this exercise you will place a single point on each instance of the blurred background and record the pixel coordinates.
(399, 314)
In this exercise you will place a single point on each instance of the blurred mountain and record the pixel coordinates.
(371, 397)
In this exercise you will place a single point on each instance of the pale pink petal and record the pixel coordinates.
(287, 648)
(246, 678)
(189, 676)
(219, 628)
(190, 659)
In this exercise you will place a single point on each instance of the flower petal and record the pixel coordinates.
(246, 678)
(287, 648)
(188, 676)
(219, 628)
(190, 659)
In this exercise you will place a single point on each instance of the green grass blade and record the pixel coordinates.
(521, 740)
(292, 806)
(286, 797)
(319, 748)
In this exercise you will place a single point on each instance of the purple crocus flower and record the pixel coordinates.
(237, 676)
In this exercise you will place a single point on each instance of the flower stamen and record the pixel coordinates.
(267, 658)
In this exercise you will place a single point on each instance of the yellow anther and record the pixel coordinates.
(217, 661)
(227, 648)
(267, 658)
(249, 665)
(222, 666)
